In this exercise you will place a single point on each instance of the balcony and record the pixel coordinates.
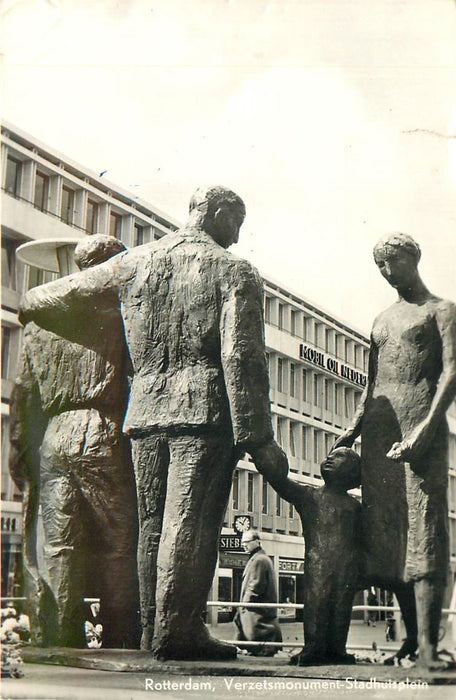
(24, 220)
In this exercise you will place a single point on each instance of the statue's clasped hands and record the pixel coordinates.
(412, 447)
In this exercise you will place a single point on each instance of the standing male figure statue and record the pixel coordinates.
(68, 453)
(193, 317)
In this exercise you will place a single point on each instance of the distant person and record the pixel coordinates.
(330, 520)
(69, 453)
(258, 586)
(372, 614)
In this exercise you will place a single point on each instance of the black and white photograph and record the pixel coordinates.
(228, 349)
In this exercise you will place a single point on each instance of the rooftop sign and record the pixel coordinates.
(320, 359)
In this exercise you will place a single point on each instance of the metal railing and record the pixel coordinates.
(39, 207)
(295, 606)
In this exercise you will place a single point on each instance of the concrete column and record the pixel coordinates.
(80, 208)
(54, 195)
(103, 218)
(127, 231)
(28, 179)
(310, 329)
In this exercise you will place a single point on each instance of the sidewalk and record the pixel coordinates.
(360, 635)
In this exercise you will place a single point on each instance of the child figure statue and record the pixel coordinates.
(330, 520)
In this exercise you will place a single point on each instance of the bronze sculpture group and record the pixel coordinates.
(192, 318)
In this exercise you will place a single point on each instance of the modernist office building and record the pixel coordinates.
(317, 364)
(47, 196)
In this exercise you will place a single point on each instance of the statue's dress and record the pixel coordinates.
(405, 512)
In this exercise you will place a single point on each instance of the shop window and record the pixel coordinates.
(287, 594)
(224, 588)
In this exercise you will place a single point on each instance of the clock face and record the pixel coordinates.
(241, 523)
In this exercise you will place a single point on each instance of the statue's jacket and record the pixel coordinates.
(57, 378)
(193, 320)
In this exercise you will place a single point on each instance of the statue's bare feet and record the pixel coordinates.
(348, 659)
(408, 648)
(431, 660)
(308, 657)
(194, 647)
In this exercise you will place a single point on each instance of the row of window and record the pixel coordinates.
(66, 202)
(270, 502)
(312, 330)
(305, 442)
(311, 387)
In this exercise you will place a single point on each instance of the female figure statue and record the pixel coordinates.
(401, 419)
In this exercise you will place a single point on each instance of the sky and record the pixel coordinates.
(335, 120)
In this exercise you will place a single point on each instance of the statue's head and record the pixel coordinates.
(219, 212)
(397, 256)
(342, 469)
(96, 249)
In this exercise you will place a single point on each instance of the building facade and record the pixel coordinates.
(317, 363)
(47, 196)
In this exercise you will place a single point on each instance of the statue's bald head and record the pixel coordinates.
(209, 199)
(96, 249)
(219, 212)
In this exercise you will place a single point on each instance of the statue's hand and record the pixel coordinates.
(399, 451)
(413, 446)
(345, 440)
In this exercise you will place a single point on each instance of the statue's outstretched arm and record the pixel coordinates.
(349, 436)
(68, 306)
